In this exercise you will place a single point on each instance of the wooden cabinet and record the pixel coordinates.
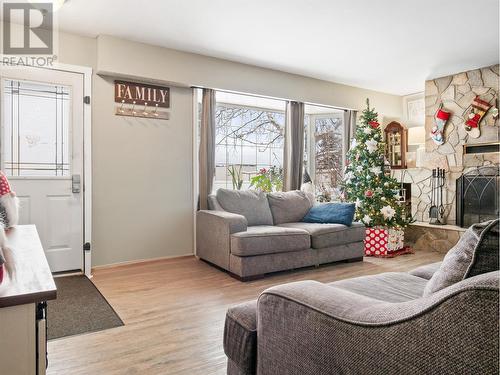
(26, 287)
(396, 144)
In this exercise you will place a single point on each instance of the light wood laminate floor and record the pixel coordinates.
(174, 312)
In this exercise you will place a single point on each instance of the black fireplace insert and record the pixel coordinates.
(477, 196)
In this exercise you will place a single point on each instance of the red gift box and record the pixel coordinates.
(383, 241)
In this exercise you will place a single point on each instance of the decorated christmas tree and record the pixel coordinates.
(375, 192)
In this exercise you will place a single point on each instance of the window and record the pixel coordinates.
(249, 137)
(35, 138)
(324, 149)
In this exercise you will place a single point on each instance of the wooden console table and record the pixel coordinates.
(26, 287)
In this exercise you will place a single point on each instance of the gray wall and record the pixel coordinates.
(142, 171)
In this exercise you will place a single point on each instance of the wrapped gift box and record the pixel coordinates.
(383, 241)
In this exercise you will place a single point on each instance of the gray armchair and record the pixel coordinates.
(369, 325)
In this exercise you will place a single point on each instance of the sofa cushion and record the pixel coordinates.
(213, 203)
(264, 239)
(331, 212)
(475, 253)
(425, 272)
(329, 235)
(240, 336)
(289, 206)
(249, 203)
(391, 287)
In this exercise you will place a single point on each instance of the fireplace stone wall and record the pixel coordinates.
(456, 92)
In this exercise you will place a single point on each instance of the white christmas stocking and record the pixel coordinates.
(437, 133)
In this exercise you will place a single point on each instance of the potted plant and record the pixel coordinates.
(268, 180)
(236, 178)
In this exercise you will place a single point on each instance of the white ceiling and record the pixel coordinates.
(385, 45)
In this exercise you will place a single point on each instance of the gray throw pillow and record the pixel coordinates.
(249, 203)
(475, 253)
(289, 206)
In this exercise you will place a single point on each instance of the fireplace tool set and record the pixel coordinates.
(436, 211)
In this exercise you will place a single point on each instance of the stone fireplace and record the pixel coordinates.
(455, 93)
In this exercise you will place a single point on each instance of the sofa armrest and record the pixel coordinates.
(311, 328)
(213, 231)
(235, 223)
(240, 338)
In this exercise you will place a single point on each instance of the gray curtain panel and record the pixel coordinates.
(350, 118)
(294, 146)
(207, 147)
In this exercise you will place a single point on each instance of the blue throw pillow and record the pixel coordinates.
(334, 213)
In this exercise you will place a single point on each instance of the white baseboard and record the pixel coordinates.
(140, 261)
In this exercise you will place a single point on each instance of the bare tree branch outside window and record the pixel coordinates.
(249, 138)
(328, 155)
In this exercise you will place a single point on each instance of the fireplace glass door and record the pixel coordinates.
(477, 196)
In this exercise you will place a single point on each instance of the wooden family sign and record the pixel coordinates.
(142, 94)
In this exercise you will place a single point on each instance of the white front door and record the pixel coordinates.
(42, 155)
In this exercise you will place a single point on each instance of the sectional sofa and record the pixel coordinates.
(250, 234)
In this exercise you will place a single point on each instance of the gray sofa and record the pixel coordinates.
(436, 319)
(251, 234)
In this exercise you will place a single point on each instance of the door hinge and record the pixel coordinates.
(86, 246)
(86, 99)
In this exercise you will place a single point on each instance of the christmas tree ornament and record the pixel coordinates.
(369, 184)
(371, 145)
(440, 118)
(388, 212)
(473, 119)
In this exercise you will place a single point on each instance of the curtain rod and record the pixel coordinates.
(273, 98)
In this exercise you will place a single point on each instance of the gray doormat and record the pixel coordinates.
(79, 308)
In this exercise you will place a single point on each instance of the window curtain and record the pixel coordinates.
(350, 118)
(207, 147)
(294, 146)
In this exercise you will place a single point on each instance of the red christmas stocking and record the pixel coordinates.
(479, 109)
